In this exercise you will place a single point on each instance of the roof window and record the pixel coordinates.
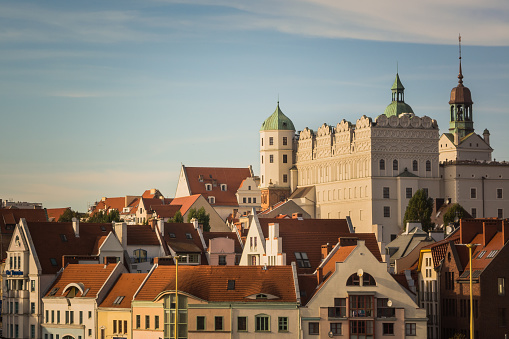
(212, 200)
(231, 284)
(302, 259)
(63, 237)
(492, 254)
(172, 235)
(481, 254)
(200, 178)
(53, 291)
(208, 187)
(261, 296)
(118, 300)
(103, 228)
(189, 236)
(224, 187)
(53, 261)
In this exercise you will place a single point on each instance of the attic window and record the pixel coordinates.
(189, 236)
(172, 235)
(103, 228)
(223, 187)
(231, 284)
(481, 254)
(302, 259)
(53, 261)
(492, 254)
(212, 200)
(63, 237)
(208, 187)
(118, 300)
(261, 296)
(53, 291)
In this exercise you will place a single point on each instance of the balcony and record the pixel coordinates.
(19, 294)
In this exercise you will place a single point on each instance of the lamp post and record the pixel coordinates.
(177, 258)
(470, 246)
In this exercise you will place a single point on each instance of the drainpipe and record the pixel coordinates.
(482, 181)
(231, 322)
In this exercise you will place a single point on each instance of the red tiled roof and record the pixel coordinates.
(439, 249)
(126, 286)
(185, 202)
(166, 211)
(181, 243)
(92, 276)
(232, 177)
(210, 283)
(231, 235)
(55, 213)
(141, 235)
(49, 244)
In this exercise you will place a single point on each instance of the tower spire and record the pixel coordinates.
(460, 75)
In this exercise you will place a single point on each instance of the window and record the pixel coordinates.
(382, 165)
(285, 177)
(212, 200)
(428, 166)
(426, 192)
(222, 260)
(271, 158)
(410, 329)
(339, 309)
(502, 320)
(223, 187)
(408, 192)
(89, 314)
(71, 317)
(125, 325)
(138, 321)
(244, 200)
(302, 259)
(147, 321)
(140, 255)
(231, 284)
(353, 280)
(53, 261)
(52, 316)
(285, 141)
(254, 200)
(368, 280)
(114, 326)
(335, 328)
(262, 159)
(388, 328)
(383, 310)
(32, 308)
(282, 324)
(285, 158)
(32, 285)
(81, 317)
(473, 193)
(501, 286)
(386, 193)
(248, 200)
(262, 141)
(474, 213)
(362, 328)
(415, 166)
(361, 306)
(262, 323)
(499, 193)
(218, 323)
(208, 187)
(500, 213)
(89, 332)
(395, 165)
(241, 324)
(271, 141)
(387, 212)
(200, 323)
(32, 331)
(120, 326)
(314, 328)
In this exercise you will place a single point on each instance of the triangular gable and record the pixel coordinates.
(475, 139)
(18, 241)
(110, 244)
(255, 231)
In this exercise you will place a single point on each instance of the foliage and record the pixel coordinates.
(101, 217)
(177, 218)
(68, 215)
(419, 209)
(450, 215)
(202, 217)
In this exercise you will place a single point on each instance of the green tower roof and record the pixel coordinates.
(277, 121)
(397, 84)
(398, 105)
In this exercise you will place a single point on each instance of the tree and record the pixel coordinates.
(419, 209)
(101, 217)
(202, 217)
(113, 216)
(451, 214)
(68, 215)
(177, 218)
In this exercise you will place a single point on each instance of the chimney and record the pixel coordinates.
(273, 230)
(103, 199)
(469, 228)
(160, 225)
(347, 241)
(152, 222)
(486, 136)
(456, 137)
(194, 221)
(505, 231)
(326, 250)
(489, 231)
(152, 191)
(163, 261)
(121, 232)
(76, 227)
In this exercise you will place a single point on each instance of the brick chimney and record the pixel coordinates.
(489, 231)
(326, 250)
(76, 227)
(469, 228)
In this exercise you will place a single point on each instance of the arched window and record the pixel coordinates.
(428, 166)
(353, 280)
(140, 255)
(367, 280)
(395, 165)
(382, 165)
(415, 166)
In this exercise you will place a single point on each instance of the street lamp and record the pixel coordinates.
(470, 246)
(177, 258)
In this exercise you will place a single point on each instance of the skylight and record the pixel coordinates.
(231, 284)
(118, 300)
(53, 261)
(189, 236)
(172, 235)
(492, 254)
(481, 254)
(302, 259)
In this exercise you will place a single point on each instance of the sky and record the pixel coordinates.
(110, 98)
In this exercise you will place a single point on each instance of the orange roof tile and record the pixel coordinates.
(185, 202)
(125, 287)
(210, 283)
(216, 176)
(55, 213)
(141, 235)
(92, 276)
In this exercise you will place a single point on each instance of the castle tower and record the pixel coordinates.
(398, 105)
(462, 121)
(276, 157)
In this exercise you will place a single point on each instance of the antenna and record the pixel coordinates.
(459, 39)
(397, 67)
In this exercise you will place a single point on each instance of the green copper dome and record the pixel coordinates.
(398, 105)
(277, 121)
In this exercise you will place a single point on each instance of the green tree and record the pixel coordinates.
(177, 218)
(68, 215)
(451, 214)
(419, 209)
(114, 215)
(202, 217)
(101, 217)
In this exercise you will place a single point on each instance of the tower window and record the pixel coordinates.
(271, 158)
(386, 193)
(409, 192)
(262, 141)
(285, 178)
(428, 166)
(382, 165)
(262, 159)
(285, 158)
(395, 165)
(271, 141)
(415, 166)
(285, 141)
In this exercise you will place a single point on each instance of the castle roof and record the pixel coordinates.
(277, 121)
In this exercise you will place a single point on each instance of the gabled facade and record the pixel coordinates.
(352, 295)
(197, 201)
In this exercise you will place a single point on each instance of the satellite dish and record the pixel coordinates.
(360, 272)
(389, 303)
(448, 230)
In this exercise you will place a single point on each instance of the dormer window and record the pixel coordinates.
(189, 236)
(125, 210)
(200, 178)
(261, 296)
(212, 200)
(208, 187)
(223, 187)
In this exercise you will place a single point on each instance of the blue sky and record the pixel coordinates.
(110, 98)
